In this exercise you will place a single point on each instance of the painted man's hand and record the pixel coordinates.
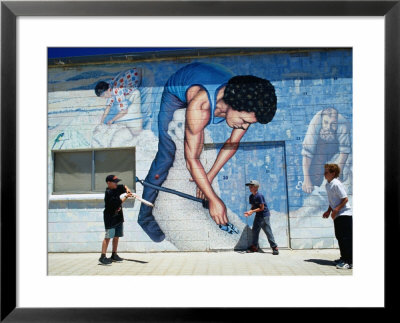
(199, 192)
(217, 211)
(326, 214)
(341, 174)
(307, 185)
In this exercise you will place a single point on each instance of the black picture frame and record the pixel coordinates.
(10, 10)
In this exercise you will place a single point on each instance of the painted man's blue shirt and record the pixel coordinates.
(211, 77)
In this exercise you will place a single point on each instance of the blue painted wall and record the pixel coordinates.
(306, 82)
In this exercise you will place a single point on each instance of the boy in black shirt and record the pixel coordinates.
(113, 217)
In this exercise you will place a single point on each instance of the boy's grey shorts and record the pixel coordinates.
(118, 231)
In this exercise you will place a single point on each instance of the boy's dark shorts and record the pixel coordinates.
(117, 231)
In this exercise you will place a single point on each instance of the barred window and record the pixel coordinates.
(84, 171)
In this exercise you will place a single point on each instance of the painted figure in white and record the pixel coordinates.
(328, 140)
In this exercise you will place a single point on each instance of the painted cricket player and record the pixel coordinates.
(210, 93)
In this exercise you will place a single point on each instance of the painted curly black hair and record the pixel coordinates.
(252, 94)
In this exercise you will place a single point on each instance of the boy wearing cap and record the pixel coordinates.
(113, 217)
(262, 218)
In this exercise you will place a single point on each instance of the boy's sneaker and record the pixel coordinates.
(116, 258)
(338, 261)
(275, 251)
(105, 261)
(252, 248)
(343, 265)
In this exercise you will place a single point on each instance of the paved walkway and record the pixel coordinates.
(288, 262)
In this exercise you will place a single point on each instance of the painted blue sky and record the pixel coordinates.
(58, 52)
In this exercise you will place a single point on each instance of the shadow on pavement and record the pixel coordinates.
(243, 241)
(322, 262)
(245, 251)
(139, 261)
(239, 251)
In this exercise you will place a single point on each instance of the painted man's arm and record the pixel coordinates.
(344, 137)
(227, 151)
(118, 116)
(106, 111)
(135, 111)
(196, 120)
(342, 161)
(309, 146)
(307, 184)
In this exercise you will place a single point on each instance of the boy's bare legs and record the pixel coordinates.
(103, 260)
(105, 245)
(114, 256)
(115, 244)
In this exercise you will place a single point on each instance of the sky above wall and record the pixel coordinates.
(59, 52)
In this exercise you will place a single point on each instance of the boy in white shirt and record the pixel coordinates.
(340, 211)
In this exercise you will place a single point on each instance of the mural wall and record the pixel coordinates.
(178, 115)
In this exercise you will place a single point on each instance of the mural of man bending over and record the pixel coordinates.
(328, 138)
(210, 93)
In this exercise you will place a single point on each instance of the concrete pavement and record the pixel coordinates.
(288, 262)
